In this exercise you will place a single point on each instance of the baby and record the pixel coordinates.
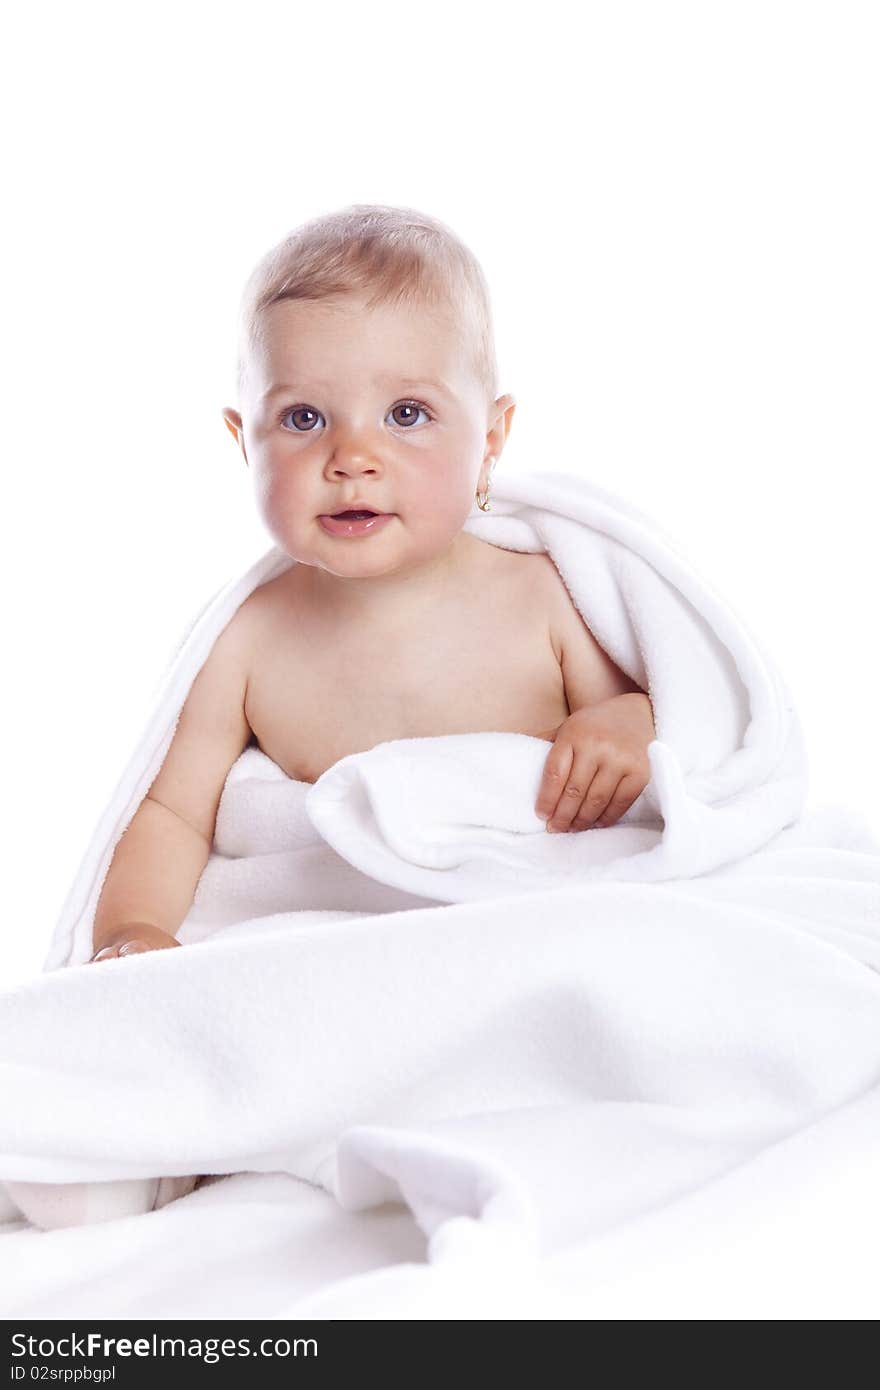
(369, 419)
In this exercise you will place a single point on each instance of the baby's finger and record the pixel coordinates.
(597, 799)
(556, 770)
(628, 791)
(120, 949)
(583, 772)
(105, 953)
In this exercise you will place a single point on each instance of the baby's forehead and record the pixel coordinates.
(288, 324)
(318, 346)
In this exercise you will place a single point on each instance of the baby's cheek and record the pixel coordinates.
(287, 514)
(277, 496)
(439, 516)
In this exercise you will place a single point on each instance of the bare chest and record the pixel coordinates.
(319, 692)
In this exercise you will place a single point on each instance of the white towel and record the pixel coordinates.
(728, 764)
(405, 990)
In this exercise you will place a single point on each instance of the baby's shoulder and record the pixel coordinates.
(541, 584)
(570, 634)
(529, 567)
(270, 602)
(589, 672)
(251, 628)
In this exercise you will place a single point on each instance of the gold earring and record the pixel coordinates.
(483, 501)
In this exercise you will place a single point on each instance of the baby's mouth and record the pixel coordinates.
(353, 516)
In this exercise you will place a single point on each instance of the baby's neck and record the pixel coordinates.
(400, 595)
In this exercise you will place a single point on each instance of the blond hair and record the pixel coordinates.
(391, 254)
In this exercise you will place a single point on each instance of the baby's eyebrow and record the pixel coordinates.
(407, 385)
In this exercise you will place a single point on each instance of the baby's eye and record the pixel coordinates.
(413, 407)
(300, 410)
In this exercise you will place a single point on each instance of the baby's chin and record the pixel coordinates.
(370, 566)
(395, 547)
(361, 559)
(345, 552)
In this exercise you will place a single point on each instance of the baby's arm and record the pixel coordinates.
(588, 672)
(599, 765)
(150, 884)
(156, 867)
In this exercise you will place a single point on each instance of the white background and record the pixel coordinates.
(676, 206)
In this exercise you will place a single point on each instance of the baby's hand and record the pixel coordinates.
(598, 765)
(131, 940)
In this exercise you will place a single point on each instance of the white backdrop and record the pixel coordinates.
(676, 207)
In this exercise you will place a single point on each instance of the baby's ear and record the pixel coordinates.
(232, 421)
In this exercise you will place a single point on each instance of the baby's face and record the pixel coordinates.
(348, 407)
